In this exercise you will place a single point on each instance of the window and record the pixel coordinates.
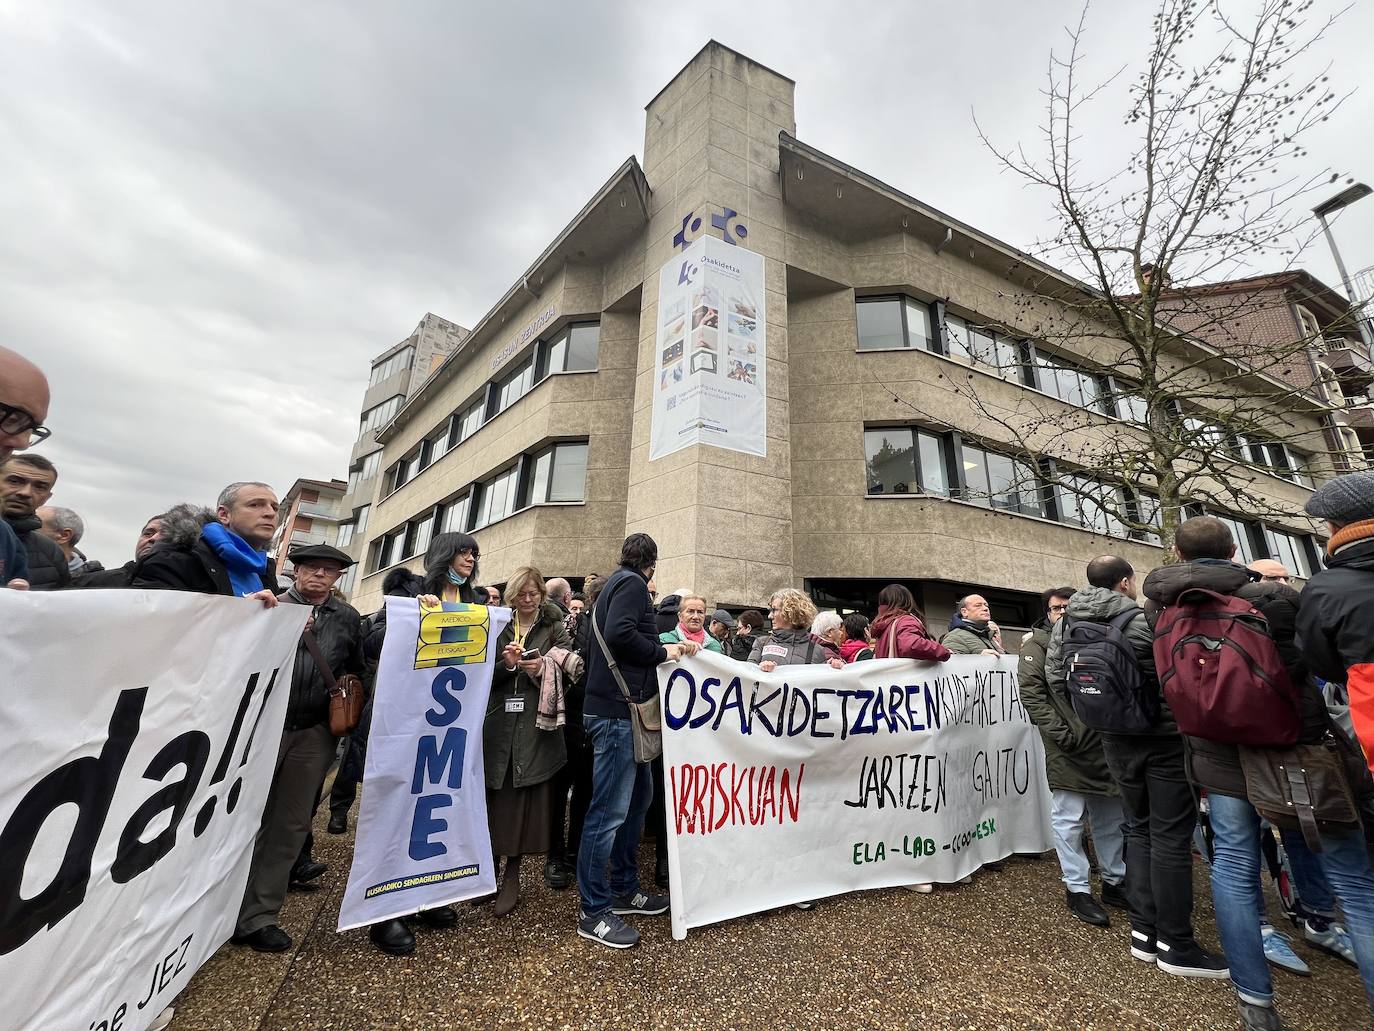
(1091, 504)
(497, 497)
(514, 385)
(1245, 533)
(904, 460)
(559, 474)
(997, 481)
(345, 533)
(353, 476)
(380, 415)
(1146, 511)
(371, 464)
(386, 550)
(418, 533)
(1293, 551)
(893, 322)
(1068, 382)
(1130, 407)
(454, 518)
(982, 346)
(361, 518)
(1280, 459)
(467, 422)
(398, 361)
(574, 349)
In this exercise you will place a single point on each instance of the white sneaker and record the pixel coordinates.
(920, 889)
(162, 1020)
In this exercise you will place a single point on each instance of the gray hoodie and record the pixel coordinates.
(1098, 605)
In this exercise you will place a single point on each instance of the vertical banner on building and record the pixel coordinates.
(807, 782)
(141, 731)
(422, 829)
(710, 351)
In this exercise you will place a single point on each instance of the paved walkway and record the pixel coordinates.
(1000, 953)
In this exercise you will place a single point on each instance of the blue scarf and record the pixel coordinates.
(244, 565)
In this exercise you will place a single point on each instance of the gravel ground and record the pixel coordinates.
(1001, 953)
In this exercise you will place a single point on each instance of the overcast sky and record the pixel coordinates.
(212, 215)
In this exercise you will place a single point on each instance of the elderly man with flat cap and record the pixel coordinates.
(1336, 620)
(307, 746)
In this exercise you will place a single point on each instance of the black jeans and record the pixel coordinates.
(575, 774)
(1161, 812)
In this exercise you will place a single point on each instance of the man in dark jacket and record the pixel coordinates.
(155, 530)
(26, 484)
(1082, 792)
(307, 745)
(229, 556)
(1206, 549)
(1161, 810)
(620, 785)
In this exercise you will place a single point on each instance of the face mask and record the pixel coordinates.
(455, 579)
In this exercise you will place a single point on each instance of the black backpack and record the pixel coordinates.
(1105, 683)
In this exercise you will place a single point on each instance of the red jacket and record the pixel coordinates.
(908, 640)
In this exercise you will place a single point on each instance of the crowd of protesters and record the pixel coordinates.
(1147, 782)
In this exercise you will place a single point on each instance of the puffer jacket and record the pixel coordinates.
(1099, 605)
(1074, 760)
(48, 570)
(968, 638)
(788, 648)
(1212, 764)
(511, 743)
(338, 631)
(1335, 626)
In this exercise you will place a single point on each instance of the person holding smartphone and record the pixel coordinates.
(521, 760)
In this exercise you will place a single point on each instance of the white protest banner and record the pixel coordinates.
(422, 827)
(141, 732)
(710, 351)
(808, 781)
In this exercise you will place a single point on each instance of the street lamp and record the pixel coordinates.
(1343, 199)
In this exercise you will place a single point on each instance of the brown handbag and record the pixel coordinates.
(345, 692)
(1303, 788)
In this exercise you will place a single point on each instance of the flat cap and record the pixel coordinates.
(721, 616)
(1346, 499)
(319, 553)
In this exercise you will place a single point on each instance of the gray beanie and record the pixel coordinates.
(1346, 499)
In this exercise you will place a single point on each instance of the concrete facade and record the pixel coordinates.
(309, 513)
(720, 139)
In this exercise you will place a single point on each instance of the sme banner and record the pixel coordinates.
(141, 731)
(422, 828)
(808, 781)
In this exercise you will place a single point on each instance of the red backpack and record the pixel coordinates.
(1221, 672)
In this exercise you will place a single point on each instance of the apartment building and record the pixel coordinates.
(539, 435)
(308, 513)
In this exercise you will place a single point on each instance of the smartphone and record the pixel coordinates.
(530, 653)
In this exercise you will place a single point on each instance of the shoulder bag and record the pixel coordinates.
(1305, 787)
(646, 717)
(345, 692)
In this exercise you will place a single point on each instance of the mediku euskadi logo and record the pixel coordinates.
(732, 231)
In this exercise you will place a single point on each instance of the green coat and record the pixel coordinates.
(964, 640)
(1073, 753)
(511, 737)
(674, 636)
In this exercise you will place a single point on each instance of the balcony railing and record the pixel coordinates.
(318, 510)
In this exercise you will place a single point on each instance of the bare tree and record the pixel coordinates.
(1217, 115)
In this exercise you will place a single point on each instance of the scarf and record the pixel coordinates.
(851, 648)
(1349, 534)
(244, 565)
(699, 637)
(455, 579)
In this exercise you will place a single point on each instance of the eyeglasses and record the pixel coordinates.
(469, 551)
(529, 595)
(1059, 608)
(328, 572)
(14, 420)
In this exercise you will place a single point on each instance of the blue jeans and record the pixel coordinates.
(1236, 893)
(1071, 813)
(621, 792)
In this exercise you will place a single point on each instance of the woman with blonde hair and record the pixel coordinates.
(790, 643)
(521, 752)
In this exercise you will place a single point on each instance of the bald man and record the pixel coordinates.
(1271, 572)
(24, 401)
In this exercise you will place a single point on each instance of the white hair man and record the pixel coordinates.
(65, 528)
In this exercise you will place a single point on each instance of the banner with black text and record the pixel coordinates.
(141, 731)
(808, 781)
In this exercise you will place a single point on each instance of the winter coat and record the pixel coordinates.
(1074, 760)
(93, 575)
(14, 558)
(855, 651)
(1214, 765)
(626, 618)
(740, 645)
(511, 743)
(185, 562)
(1099, 605)
(399, 583)
(674, 636)
(47, 564)
(339, 633)
(1335, 629)
(909, 639)
(666, 614)
(967, 638)
(788, 648)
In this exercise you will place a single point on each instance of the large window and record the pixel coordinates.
(892, 322)
(497, 497)
(998, 481)
(361, 518)
(1279, 458)
(905, 460)
(1293, 551)
(453, 517)
(380, 415)
(514, 385)
(982, 346)
(386, 550)
(574, 349)
(1091, 504)
(559, 474)
(1066, 381)
(467, 422)
(398, 361)
(346, 531)
(1247, 535)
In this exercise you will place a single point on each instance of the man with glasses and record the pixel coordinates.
(1083, 795)
(307, 746)
(23, 404)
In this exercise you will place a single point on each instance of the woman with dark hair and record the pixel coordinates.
(900, 631)
(451, 570)
(856, 645)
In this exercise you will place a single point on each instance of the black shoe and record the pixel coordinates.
(392, 937)
(1191, 960)
(557, 875)
(304, 873)
(1114, 895)
(439, 917)
(338, 823)
(661, 871)
(265, 939)
(1085, 907)
(1143, 946)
